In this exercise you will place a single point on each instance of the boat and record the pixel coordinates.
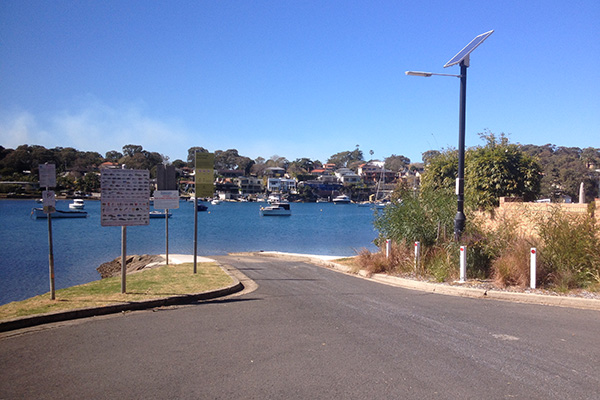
(276, 209)
(159, 214)
(77, 204)
(38, 212)
(202, 207)
(341, 199)
(215, 202)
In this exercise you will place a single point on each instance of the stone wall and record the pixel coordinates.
(525, 215)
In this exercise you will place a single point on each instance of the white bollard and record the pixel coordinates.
(463, 264)
(388, 248)
(417, 255)
(533, 268)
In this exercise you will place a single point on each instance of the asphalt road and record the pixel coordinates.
(307, 332)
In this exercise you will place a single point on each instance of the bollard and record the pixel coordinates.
(388, 248)
(463, 264)
(417, 255)
(533, 268)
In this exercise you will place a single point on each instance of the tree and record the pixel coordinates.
(300, 166)
(113, 156)
(192, 151)
(129, 150)
(564, 168)
(396, 163)
(346, 158)
(429, 155)
(491, 171)
(501, 169)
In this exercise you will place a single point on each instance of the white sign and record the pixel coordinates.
(125, 197)
(49, 201)
(47, 174)
(166, 199)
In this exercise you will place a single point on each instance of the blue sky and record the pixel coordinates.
(295, 78)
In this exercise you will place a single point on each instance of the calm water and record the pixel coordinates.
(81, 245)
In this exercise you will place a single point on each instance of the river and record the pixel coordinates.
(81, 245)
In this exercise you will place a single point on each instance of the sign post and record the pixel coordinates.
(125, 201)
(204, 178)
(47, 173)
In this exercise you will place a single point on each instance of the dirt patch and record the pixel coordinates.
(133, 262)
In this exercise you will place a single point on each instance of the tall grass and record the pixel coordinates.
(568, 246)
(570, 254)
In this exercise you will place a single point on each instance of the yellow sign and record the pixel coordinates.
(204, 174)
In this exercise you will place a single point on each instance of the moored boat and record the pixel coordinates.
(159, 214)
(341, 199)
(77, 204)
(276, 209)
(39, 213)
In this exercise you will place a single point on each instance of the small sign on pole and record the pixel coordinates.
(124, 201)
(47, 175)
(204, 178)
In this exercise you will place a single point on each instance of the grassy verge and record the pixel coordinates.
(147, 284)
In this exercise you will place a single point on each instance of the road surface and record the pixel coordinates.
(306, 332)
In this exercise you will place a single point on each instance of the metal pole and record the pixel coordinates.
(195, 216)
(51, 256)
(460, 219)
(123, 259)
(167, 234)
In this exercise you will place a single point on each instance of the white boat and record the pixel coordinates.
(215, 202)
(39, 213)
(77, 204)
(159, 214)
(276, 209)
(341, 199)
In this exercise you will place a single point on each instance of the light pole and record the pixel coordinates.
(461, 58)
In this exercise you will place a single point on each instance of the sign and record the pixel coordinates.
(166, 178)
(166, 199)
(125, 198)
(49, 201)
(204, 174)
(47, 174)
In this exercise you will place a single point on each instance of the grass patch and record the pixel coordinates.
(146, 284)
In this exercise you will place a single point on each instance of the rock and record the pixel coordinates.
(133, 262)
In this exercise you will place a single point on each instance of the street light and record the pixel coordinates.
(462, 59)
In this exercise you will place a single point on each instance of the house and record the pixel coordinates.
(347, 176)
(249, 184)
(275, 172)
(281, 185)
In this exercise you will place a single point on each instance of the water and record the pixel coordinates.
(81, 245)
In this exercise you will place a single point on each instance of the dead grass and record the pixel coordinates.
(147, 284)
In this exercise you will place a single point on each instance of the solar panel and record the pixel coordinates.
(464, 53)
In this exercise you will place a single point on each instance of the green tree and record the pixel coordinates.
(113, 156)
(129, 150)
(500, 169)
(497, 169)
(396, 163)
(429, 155)
(192, 151)
(346, 158)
